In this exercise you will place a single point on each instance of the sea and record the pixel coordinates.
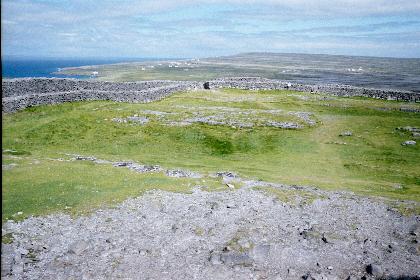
(47, 67)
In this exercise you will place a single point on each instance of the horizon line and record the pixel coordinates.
(9, 56)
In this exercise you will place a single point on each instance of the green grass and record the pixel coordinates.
(50, 186)
(372, 162)
(279, 67)
(38, 187)
(7, 238)
(200, 71)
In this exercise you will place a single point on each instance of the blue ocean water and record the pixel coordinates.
(376, 72)
(20, 68)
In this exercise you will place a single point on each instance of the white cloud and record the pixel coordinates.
(66, 34)
(205, 27)
(80, 9)
(4, 21)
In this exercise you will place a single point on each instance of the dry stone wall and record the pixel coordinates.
(334, 89)
(18, 94)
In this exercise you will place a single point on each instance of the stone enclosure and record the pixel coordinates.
(19, 94)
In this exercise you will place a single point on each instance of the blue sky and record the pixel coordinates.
(203, 28)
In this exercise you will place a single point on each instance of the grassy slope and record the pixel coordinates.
(372, 162)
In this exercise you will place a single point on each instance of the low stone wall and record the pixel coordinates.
(333, 89)
(18, 87)
(19, 94)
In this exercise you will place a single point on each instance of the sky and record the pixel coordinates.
(207, 28)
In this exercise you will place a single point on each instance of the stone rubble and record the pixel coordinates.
(132, 119)
(346, 133)
(177, 173)
(240, 234)
(141, 168)
(286, 125)
(232, 117)
(409, 129)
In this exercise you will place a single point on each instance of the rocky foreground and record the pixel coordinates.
(236, 234)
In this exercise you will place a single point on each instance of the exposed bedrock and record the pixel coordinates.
(19, 94)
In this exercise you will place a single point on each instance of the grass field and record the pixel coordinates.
(403, 74)
(190, 71)
(370, 162)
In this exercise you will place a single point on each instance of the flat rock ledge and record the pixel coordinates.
(21, 93)
(241, 234)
